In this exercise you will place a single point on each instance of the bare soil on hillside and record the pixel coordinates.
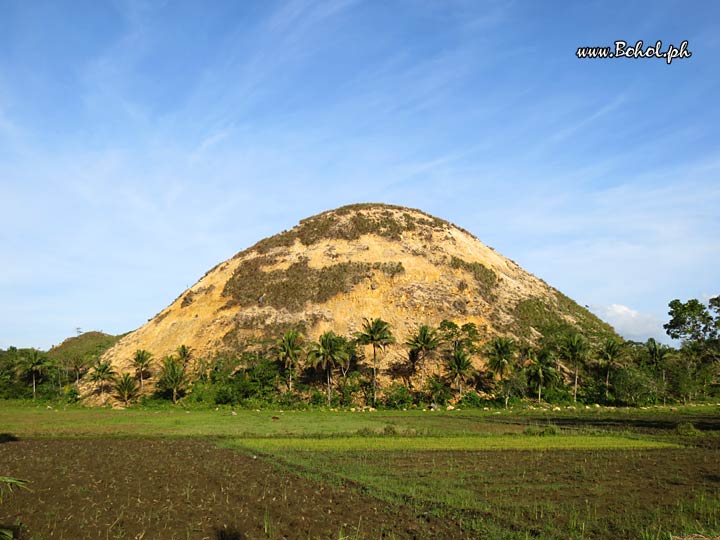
(182, 489)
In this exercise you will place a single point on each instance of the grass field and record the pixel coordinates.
(212, 474)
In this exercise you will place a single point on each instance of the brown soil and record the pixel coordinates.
(181, 489)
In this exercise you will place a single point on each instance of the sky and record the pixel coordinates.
(143, 142)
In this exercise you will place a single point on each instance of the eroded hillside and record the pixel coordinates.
(336, 268)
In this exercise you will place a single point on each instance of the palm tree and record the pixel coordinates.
(183, 354)
(329, 351)
(657, 353)
(540, 369)
(500, 352)
(608, 357)
(459, 367)
(34, 364)
(172, 377)
(575, 348)
(102, 374)
(288, 349)
(78, 364)
(141, 363)
(423, 345)
(375, 332)
(126, 388)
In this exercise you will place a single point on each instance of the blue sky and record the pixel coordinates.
(143, 142)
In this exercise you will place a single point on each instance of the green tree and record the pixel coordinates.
(328, 352)
(575, 349)
(657, 356)
(172, 377)
(541, 370)
(459, 337)
(79, 366)
(375, 332)
(500, 354)
(438, 390)
(141, 362)
(102, 374)
(288, 349)
(126, 388)
(459, 367)
(656, 353)
(693, 321)
(422, 345)
(33, 364)
(514, 384)
(608, 357)
(634, 386)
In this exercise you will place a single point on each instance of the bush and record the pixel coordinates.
(225, 395)
(472, 400)
(557, 396)
(398, 396)
(71, 394)
(290, 400)
(317, 397)
(346, 389)
(438, 391)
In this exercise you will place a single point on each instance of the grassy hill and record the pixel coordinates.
(90, 345)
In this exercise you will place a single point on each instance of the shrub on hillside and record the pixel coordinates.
(437, 390)
(472, 400)
(398, 396)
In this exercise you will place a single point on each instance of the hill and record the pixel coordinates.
(89, 345)
(364, 260)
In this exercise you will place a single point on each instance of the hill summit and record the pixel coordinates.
(360, 261)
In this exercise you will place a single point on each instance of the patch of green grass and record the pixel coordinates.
(293, 287)
(413, 444)
(176, 422)
(485, 278)
(350, 223)
(549, 319)
(89, 345)
(28, 419)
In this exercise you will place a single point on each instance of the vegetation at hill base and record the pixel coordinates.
(35, 374)
(433, 368)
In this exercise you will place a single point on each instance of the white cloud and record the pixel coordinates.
(630, 323)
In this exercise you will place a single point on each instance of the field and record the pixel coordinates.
(218, 474)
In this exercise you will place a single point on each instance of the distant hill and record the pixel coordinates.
(90, 345)
(363, 260)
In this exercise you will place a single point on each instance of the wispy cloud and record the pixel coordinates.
(576, 125)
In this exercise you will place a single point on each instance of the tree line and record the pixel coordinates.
(434, 366)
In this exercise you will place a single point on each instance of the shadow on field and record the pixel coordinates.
(8, 437)
(635, 424)
(228, 534)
